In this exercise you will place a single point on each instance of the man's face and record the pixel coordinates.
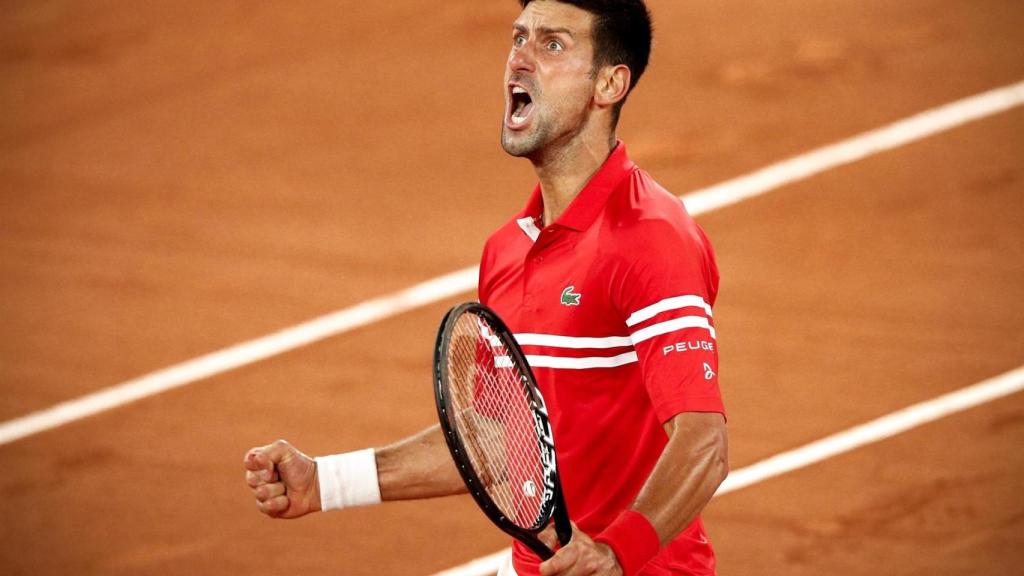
(549, 84)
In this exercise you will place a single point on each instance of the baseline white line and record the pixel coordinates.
(857, 148)
(869, 433)
(876, 430)
(699, 202)
(241, 355)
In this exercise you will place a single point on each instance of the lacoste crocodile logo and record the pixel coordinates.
(570, 298)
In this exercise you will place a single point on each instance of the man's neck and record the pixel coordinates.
(565, 172)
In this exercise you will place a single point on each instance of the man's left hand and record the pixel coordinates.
(581, 557)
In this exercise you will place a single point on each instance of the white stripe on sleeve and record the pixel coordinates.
(665, 305)
(672, 326)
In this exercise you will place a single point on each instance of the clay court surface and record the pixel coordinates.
(179, 177)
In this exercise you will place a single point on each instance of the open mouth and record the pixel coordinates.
(520, 106)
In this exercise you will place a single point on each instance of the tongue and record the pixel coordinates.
(522, 108)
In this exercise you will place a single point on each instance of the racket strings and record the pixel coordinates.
(495, 420)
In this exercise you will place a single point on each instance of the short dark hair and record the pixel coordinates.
(622, 34)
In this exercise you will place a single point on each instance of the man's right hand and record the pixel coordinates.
(283, 479)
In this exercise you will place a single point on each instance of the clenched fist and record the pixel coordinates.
(283, 479)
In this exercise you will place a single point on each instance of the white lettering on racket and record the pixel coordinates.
(547, 447)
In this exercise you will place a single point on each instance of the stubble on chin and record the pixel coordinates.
(521, 145)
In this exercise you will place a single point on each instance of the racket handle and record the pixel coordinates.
(564, 536)
(563, 527)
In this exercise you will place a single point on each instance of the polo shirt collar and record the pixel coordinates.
(584, 209)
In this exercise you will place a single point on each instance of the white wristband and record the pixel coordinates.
(348, 479)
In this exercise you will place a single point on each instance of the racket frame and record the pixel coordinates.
(552, 507)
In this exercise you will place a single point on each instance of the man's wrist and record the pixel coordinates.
(613, 565)
(633, 539)
(315, 504)
(347, 480)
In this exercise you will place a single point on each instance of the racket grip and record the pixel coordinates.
(564, 532)
(539, 548)
(563, 527)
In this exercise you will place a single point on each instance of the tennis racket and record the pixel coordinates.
(496, 425)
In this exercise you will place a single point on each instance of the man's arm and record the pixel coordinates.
(286, 482)
(418, 467)
(691, 467)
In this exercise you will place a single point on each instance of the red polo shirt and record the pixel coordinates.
(612, 306)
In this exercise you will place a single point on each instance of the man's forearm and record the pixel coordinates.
(418, 467)
(690, 469)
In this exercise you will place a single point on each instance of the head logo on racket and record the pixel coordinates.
(529, 488)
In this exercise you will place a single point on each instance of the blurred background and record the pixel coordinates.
(176, 178)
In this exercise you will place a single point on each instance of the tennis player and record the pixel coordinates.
(608, 284)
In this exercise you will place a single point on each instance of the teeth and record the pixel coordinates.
(520, 110)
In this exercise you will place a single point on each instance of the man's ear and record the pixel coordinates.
(612, 85)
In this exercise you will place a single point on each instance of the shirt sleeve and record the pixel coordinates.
(665, 295)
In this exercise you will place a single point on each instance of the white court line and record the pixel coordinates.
(699, 202)
(834, 445)
(240, 355)
(857, 148)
